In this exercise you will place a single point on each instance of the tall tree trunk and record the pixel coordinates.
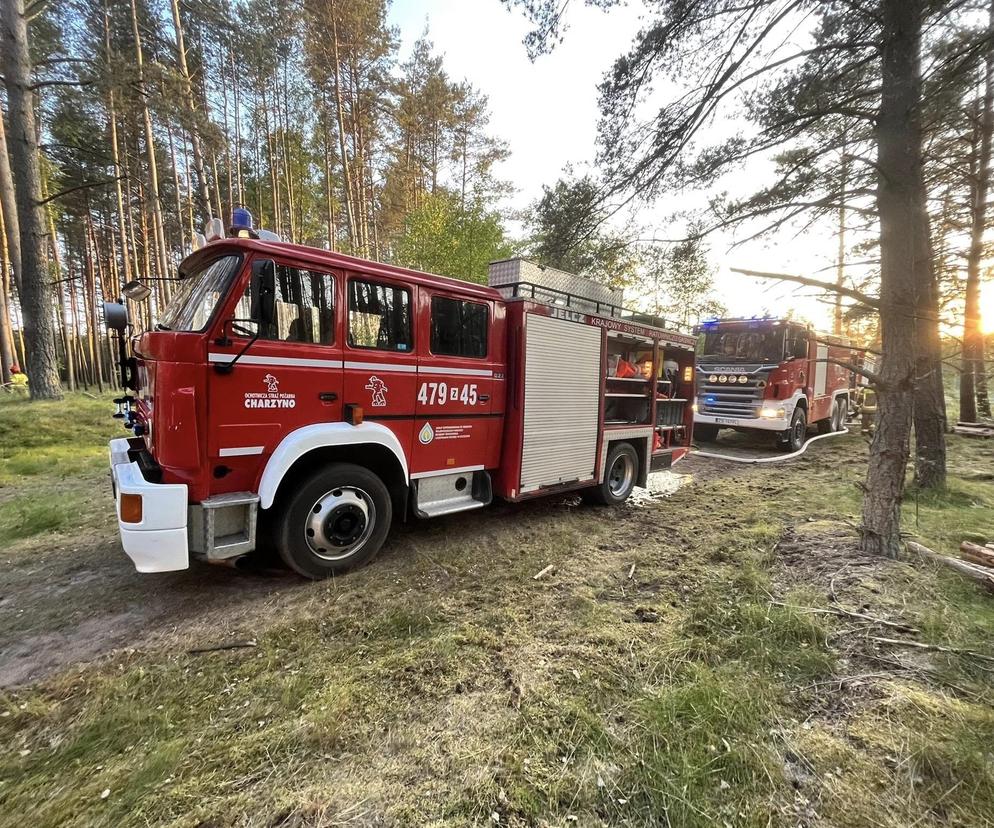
(6, 342)
(350, 213)
(972, 367)
(12, 229)
(840, 267)
(191, 108)
(329, 197)
(158, 228)
(900, 201)
(57, 262)
(929, 397)
(35, 288)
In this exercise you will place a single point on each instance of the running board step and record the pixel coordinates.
(446, 494)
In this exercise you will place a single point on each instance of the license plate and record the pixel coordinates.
(725, 421)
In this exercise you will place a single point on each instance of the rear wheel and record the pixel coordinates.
(793, 437)
(706, 432)
(840, 422)
(620, 473)
(336, 521)
(830, 424)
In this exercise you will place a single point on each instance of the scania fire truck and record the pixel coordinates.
(313, 398)
(772, 375)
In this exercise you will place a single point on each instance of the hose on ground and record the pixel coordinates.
(777, 458)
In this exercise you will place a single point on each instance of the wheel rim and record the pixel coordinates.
(621, 476)
(798, 432)
(339, 523)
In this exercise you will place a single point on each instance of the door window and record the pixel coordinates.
(458, 328)
(305, 307)
(379, 316)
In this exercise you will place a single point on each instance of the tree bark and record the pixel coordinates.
(900, 201)
(12, 230)
(158, 228)
(35, 288)
(972, 367)
(184, 70)
(840, 266)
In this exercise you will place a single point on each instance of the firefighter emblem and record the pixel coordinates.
(272, 384)
(379, 389)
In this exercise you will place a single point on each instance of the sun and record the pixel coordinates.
(987, 307)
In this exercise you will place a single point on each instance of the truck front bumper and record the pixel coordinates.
(157, 541)
(758, 423)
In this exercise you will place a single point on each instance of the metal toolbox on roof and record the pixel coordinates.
(505, 275)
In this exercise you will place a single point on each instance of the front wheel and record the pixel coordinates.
(620, 473)
(793, 437)
(336, 521)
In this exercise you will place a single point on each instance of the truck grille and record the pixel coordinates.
(731, 399)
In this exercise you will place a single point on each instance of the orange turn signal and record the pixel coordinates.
(131, 508)
(353, 414)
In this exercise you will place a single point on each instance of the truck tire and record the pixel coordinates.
(840, 421)
(620, 473)
(793, 438)
(336, 521)
(706, 433)
(828, 425)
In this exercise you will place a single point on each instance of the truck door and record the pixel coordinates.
(380, 358)
(454, 428)
(291, 376)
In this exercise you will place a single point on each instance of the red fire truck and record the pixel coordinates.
(773, 375)
(314, 398)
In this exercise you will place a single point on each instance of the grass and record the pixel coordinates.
(444, 686)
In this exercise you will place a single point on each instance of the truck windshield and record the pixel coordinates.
(198, 294)
(744, 346)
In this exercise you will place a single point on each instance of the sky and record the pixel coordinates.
(547, 112)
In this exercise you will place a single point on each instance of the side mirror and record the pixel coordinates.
(136, 291)
(263, 309)
(116, 316)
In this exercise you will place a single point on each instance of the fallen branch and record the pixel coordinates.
(631, 572)
(547, 571)
(897, 625)
(937, 648)
(978, 573)
(975, 553)
(228, 645)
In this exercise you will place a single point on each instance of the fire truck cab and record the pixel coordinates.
(311, 398)
(772, 375)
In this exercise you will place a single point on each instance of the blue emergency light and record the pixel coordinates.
(241, 220)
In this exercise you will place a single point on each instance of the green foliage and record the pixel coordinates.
(567, 231)
(677, 282)
(441, 237)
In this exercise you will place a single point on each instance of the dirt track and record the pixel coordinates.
(80, 599)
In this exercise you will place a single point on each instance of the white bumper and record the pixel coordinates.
(758, 423)
(158, 542)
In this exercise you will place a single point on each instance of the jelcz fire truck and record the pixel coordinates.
(313, 398)
(772, 375)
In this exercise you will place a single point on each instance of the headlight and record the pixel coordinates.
(772, 413)
(713, 378)
(722, 378)
(694, 408)
(743, 379)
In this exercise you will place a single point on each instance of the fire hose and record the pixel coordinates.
(777, 458)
